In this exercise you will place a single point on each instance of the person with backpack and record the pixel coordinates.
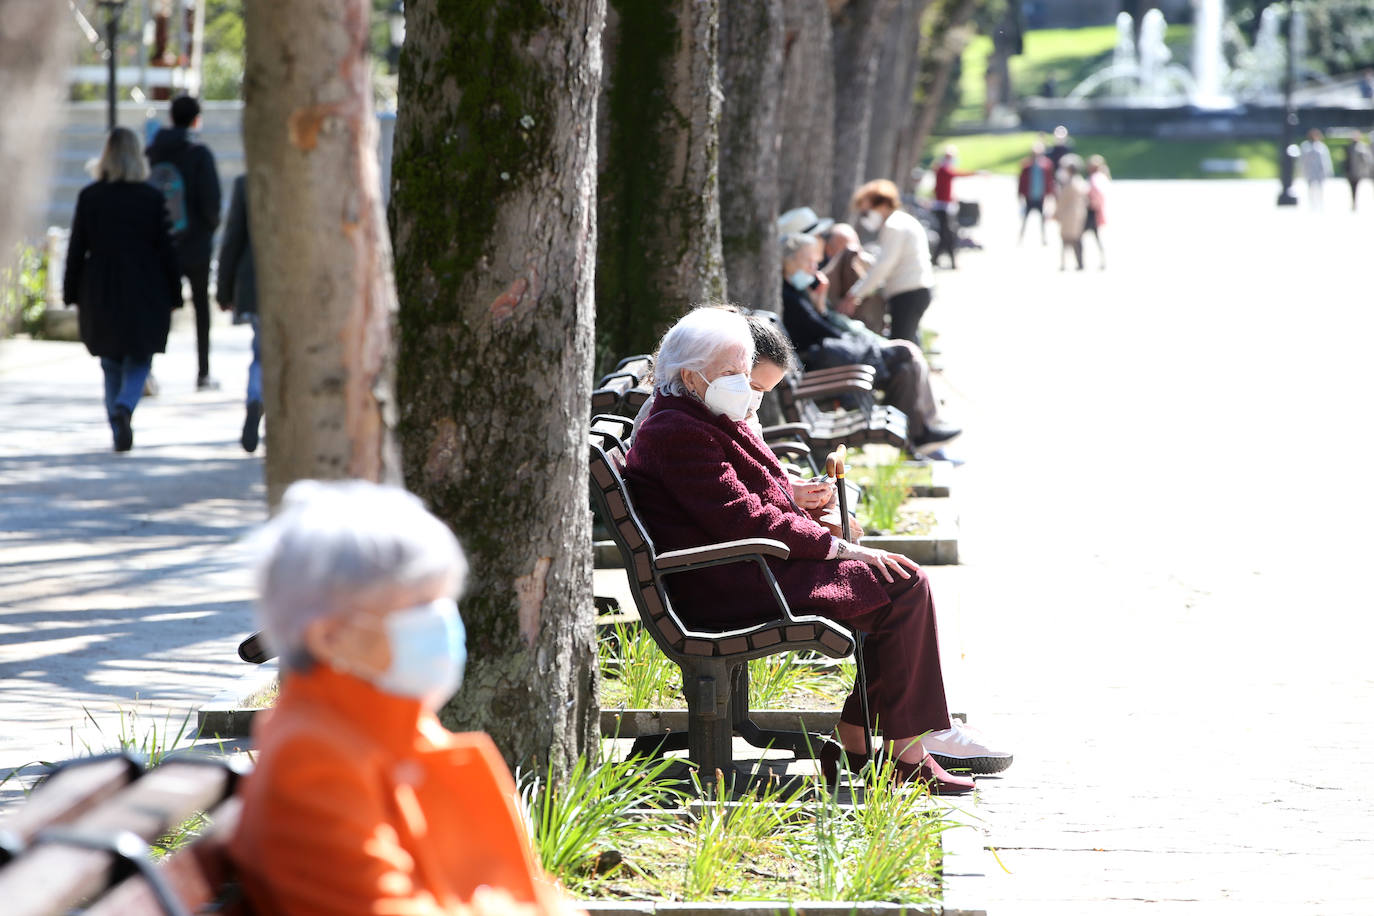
(183, 169)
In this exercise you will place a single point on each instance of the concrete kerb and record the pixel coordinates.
(230, 714)
(764, 908)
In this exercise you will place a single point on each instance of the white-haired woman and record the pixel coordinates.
(360, 801)
(122, 275)
(701, 476)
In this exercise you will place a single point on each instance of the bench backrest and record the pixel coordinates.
(79, 857)
(636, 548)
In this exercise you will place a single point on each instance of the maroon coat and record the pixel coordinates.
(698, 478)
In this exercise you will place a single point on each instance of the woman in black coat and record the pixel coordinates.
(122, 275)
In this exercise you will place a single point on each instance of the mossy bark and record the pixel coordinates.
(806, 148)
(494, 219)
(325, 288)
(659, 250)
(893, 92)
(857, 32)
(33, 42)
(751, 84)
(947, 36)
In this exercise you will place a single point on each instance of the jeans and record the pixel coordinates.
(255, 367)
(199, 277)
(124, 380)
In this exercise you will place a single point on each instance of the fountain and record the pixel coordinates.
(1209, 65)
(1143, 91)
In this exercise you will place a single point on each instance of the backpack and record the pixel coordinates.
(166, 177)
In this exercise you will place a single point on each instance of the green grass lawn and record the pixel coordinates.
(1071, 55)
(1127, 157)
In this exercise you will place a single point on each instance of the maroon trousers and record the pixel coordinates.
(906, 689)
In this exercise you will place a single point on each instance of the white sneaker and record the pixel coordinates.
(959, 748)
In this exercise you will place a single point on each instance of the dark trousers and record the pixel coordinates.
(906, 310)
(198, 275)
(906, 688)
(949, 236)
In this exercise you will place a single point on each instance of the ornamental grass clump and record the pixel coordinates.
(635, 672)
(578, 825)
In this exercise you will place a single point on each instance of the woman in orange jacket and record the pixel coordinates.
(360, 801)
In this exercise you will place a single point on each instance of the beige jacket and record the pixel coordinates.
(904, 262)
(1071, 208)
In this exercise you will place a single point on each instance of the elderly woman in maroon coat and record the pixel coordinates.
(700, 474)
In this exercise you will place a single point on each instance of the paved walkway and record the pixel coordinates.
(121, 591)
(1166, 538)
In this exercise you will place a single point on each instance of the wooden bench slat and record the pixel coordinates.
(197, 874)
(50, 879)
(66, 795)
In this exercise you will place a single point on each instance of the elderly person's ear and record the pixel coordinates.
(348, 644)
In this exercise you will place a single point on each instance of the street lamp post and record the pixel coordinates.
(1287, 152)
(112, 10)
(396, 22)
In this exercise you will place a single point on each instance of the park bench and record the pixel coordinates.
(715, 673)
(619, 390)
(80, 844)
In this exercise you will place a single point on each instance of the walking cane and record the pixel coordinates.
(834, 467)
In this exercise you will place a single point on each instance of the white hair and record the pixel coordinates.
(699, 338)
(344, 546)
(792, 245)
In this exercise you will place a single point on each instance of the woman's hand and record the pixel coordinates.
(820, 290)
(848, 305)
(884, 561)
(812, 494)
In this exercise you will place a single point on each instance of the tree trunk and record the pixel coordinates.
(325, 286)
(659, 206)
(892, 95)
(806, 151)
(33, 54)
(858, 34)
(495, 227)
(948, 38)
(751, 84)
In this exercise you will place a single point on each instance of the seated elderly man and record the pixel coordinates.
(845, 263)
(360, 801)
(700, 475)
(824, 339)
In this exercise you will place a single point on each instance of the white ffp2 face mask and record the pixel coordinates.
(428, 653)
(729, 395)
(871, 220)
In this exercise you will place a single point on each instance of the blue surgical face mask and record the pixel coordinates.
(801, 279)
(428, 653)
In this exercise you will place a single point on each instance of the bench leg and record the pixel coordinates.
(709, 728)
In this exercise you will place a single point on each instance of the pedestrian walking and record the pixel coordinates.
(1359, 165)
(237, 289)
(1099, 181)
(903, 269)
(945, 206)
(184, 170)
(1316, 166)
(1063, 146)
(1034, 187)
(1072, 210)
(123, 277)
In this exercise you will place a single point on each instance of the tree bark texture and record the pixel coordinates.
(806, 152)
(948, 38)
(493, 207)
(894, 91)
(659, 202)
(33, 54)
(857, 32)
(326, 293)
(751, 83)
